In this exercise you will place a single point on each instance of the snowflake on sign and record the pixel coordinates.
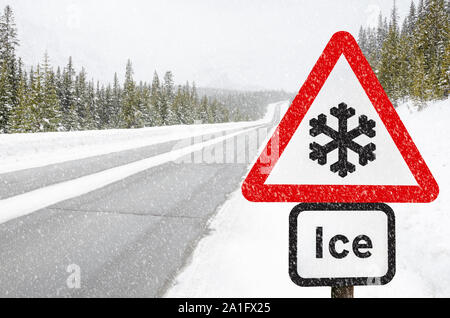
(342, 140)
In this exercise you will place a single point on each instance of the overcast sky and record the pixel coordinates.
(247, 44)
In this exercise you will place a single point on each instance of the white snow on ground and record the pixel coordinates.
(246, 254)
(24, 151)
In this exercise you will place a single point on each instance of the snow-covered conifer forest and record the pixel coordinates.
(43, 98)
(411, 57)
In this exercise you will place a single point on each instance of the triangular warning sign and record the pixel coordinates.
(343, 152)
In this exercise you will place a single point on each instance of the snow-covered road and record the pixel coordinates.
(128, 219)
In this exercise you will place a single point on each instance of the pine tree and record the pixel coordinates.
(226, 114)
(67, 91)
(36, 100)
(169, 90)
(59, 83)
(91, 119)
(407, 51)
(203, 110)
(142, 106)
(192, 104)
(176, 107)
(116, 104)
(424, 47)
(445, 76)
(130, 117)
(418, 93)
(81, 100)
(362, 41)
(9, 81)
(50, 108)
(147, 110)
(382, 31)
(21, 116)
(212, 112)
(390, 60)
(5, 98)
(167, 98)
(186, 105)
(420, 11)
(411, 19)
(403, 73)
(436, 24)
(108, 101)
(372, 51)
(103, 98)
(156, 93)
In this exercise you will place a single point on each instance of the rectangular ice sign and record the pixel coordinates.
(342, 244)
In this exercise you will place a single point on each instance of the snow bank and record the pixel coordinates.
(247, 253)
(24, 151)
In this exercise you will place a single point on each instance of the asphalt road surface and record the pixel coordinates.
(127, 239)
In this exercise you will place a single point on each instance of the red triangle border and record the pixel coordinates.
(342, 43)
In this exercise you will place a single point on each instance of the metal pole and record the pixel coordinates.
(342, 292)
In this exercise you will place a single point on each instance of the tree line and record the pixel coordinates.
(249, 105)
(43, 100)
(411, 60)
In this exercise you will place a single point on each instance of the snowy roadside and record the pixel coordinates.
(246, 254)
(24, 151)
(39, 198)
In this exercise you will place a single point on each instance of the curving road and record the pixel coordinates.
(128, 238)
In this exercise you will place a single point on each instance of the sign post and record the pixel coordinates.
(342, 292)
(341, 245)
(339, 151)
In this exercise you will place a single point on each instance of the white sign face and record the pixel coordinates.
(342, 86)
(342, 244)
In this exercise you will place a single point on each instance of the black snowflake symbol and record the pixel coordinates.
(342, 140)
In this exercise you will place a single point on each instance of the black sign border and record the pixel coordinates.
(344, 281)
